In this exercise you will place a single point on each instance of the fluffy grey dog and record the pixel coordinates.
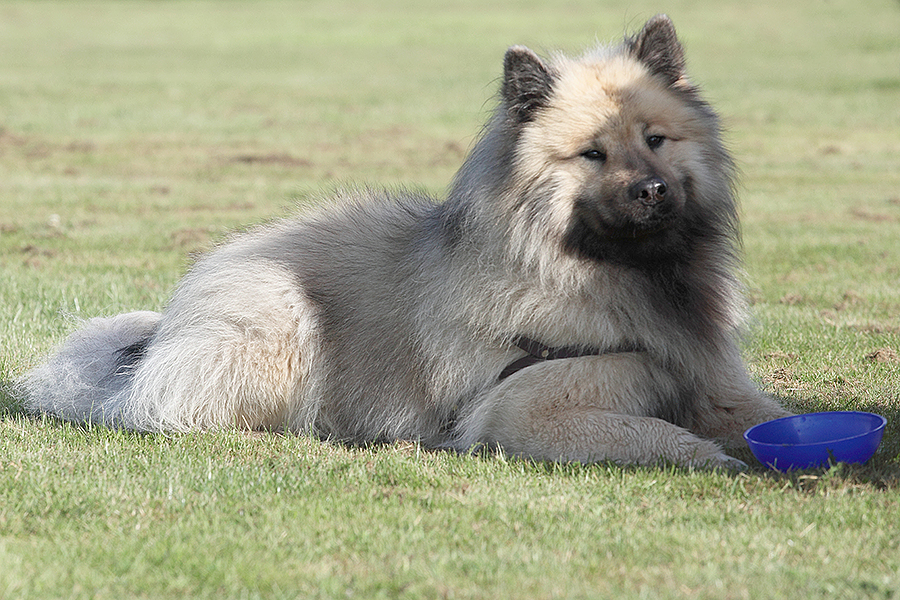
(573, 298)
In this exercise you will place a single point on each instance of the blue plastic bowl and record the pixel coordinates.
(816, 439)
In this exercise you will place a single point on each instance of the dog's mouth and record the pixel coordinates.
(627, 241)
(615, 220)
(640, 231)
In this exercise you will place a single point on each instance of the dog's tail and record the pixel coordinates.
(88, 379)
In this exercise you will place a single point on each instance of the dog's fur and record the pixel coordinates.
(596, 211)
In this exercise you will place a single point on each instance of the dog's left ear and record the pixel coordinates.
(527, 83)
(657, 46)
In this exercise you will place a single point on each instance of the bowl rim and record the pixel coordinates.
(880, 426)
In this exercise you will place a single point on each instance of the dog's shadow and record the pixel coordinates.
(881, 472)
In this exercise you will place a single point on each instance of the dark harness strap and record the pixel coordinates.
(538, 353)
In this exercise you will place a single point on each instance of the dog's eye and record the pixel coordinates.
(595, 155)
(655, 141)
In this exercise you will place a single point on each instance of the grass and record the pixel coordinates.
(133, 134)
(113, 514)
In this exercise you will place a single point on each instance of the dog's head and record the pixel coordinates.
(621, 146)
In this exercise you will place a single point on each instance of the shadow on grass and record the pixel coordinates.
(881, 472)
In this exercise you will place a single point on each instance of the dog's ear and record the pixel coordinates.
(657, 46)
(527, 83)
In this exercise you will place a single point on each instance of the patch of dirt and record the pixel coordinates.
(782, 356)
(8, 139)
(792, 299)
(884, 355)
(275, 158)
(34, 256)
(451, 153)
(191, 238)
(875, 327)
(33, 148)
(864, 214)
(81, 147)
(784, 381)
(851, 298)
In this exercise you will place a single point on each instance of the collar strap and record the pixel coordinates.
(538, 353)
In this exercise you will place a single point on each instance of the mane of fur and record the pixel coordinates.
(488, 183)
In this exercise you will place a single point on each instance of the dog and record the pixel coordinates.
(573, 298)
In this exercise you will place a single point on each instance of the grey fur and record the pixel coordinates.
(389, 316)
(658, 48)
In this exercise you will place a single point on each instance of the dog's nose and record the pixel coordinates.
(649, 191)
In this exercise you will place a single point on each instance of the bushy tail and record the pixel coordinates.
(87, 379)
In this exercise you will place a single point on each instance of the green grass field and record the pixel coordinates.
(134, 134)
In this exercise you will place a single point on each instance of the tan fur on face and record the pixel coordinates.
(610, 104)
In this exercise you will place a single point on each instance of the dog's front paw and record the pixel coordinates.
(720, 462)
(730, 463)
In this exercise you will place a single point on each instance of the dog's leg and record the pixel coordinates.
(731, 407)
(229, 352)
(589, 409)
